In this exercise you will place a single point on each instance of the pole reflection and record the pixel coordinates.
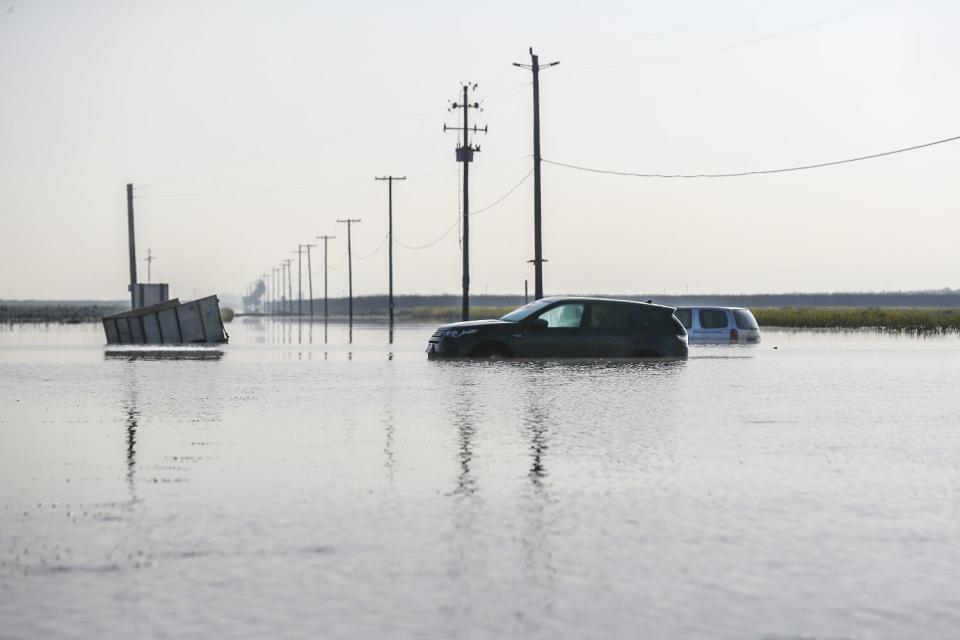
(131, 410)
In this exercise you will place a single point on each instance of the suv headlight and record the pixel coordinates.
(456, 333)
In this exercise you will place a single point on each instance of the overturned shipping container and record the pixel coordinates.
(168, 322)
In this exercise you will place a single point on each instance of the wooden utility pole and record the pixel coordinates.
(283, 288)
(390, 180)
(133, 247)
(465, 155)
(276, 299)
(326, 312)
(299, 253)
(149, 260)
(265, 305)
(289, 272)
(538, 260)
(310, 277)
(350, 222)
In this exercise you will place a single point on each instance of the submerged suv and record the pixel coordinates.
(567, 328)
(719, 325)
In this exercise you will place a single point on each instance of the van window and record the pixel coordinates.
(713, 319)
(685, 316)
(609, 318)
(564, 316)
(745, 319)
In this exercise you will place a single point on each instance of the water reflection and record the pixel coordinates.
(463, 409)
(172, 353)
(132, 411)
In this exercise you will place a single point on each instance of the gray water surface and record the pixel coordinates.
(283, 488)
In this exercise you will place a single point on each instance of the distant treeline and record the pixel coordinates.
(894, 319)
(447, 306)
(65, 311)
(374, 306)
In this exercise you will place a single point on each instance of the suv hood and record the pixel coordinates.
(470, 324)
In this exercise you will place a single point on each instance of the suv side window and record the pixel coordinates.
(609, 318)
(713, 319)
(564, 316)
(685, 316)
(745, 319)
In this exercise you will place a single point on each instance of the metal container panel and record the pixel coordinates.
(191, 322)
(110, 328)
(212, 323)
(136, 330)
(169, 326)
(151, 329)
(123, 329)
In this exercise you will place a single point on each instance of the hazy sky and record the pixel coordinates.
(250, 127)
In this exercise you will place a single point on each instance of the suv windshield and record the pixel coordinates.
(525, 311)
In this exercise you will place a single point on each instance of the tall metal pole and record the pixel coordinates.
(465, 306)
(390, 180)
(283, 288)
(287, 263)
(273, 306)
(265, 304)
(326, 312)
(349, 222)
(133, 247)
(299, 253)
(537, 228)
(310, 277)
(465, 155)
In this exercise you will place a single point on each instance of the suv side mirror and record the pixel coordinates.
(539, 324)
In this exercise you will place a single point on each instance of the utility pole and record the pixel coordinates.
(265, 303)
(299, 253)
(465, 155)
(133, 247)
(310, 278)
(283, 288)
(273, 290)
(538, 260)
(349, 222)
(326, 312)
(149, 259)
(390, 180)
(287, 263)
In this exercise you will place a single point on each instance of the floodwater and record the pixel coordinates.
(807, 487)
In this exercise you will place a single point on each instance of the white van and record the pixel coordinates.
(719, 325)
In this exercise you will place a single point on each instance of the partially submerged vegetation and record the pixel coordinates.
(890, 319)
(449, 314)
(61, 312)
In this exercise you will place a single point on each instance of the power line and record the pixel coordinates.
(671, 30)
(472, 213)
(251, 191)
(281, 152)
(737, 45)
(307, 145)
(331, 185)
(374, 252)
(750, 173)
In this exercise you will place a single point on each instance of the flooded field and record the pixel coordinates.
(808, 487)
